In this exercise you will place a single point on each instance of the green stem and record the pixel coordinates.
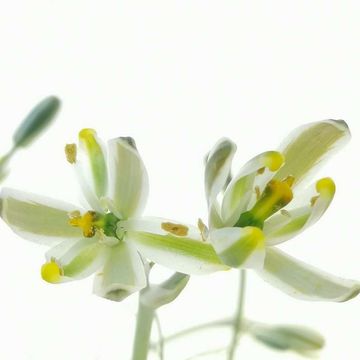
(161, 337)
(238, 319)
(144, 322)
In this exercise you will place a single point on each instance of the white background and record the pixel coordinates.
(176, 75)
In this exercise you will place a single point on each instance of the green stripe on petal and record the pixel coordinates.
(122, 275)
(78, 260)
(239, 247)
(91, 144)
(181, 254)
(308, 146)
(129, 188)
(218, 166)
(304, 281)
(36, 218)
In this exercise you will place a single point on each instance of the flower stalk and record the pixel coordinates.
(239, 316)
(144, 321)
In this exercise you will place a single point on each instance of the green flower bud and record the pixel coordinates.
(295, 338)
(37, 120)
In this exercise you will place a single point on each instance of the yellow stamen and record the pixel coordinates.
(71, 152)
(289, 180)
(85, 222)
(276, 195)
(273, 160)
(176, 229)
(51, 272)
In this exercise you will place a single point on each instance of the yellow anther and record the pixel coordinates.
(51, 272)
(313, 200)
(85, 222)
(273, 160)
(257, 192)
(326, 187)
(261, 170)
(176, 229)
(204, 231)
(285, 213)
(71, 152)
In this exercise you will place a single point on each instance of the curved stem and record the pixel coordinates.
(238, 319)
(144, 322)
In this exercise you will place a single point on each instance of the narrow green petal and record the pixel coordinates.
(35, 218)
(239, 247)
(308, 146)
(129, 187)
(181, 254)
(303, 281)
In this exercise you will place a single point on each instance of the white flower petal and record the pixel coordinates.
(122, 275)
(241, 189)
(286, 225)
(304, 281)
(129, 187)
(218, 167)
(182, 254)
(80, 259)
(306, 148)
(36, 218)
(239, 247)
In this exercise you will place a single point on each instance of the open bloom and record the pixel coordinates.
(108, 235)
(266, 204)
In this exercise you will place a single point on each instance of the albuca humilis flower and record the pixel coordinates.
(106, 236)
(265, 204)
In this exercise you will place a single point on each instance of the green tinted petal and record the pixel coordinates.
(36, 218)
(304, 281)
(181, 254)
(239, 247)
(308, 146)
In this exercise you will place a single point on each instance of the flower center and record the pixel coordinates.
(91, 221)
(275, 196)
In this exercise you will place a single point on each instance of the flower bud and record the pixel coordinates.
(295, 338)
(36, 121)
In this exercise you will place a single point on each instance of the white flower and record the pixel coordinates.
(265, 204)
(108, 233)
